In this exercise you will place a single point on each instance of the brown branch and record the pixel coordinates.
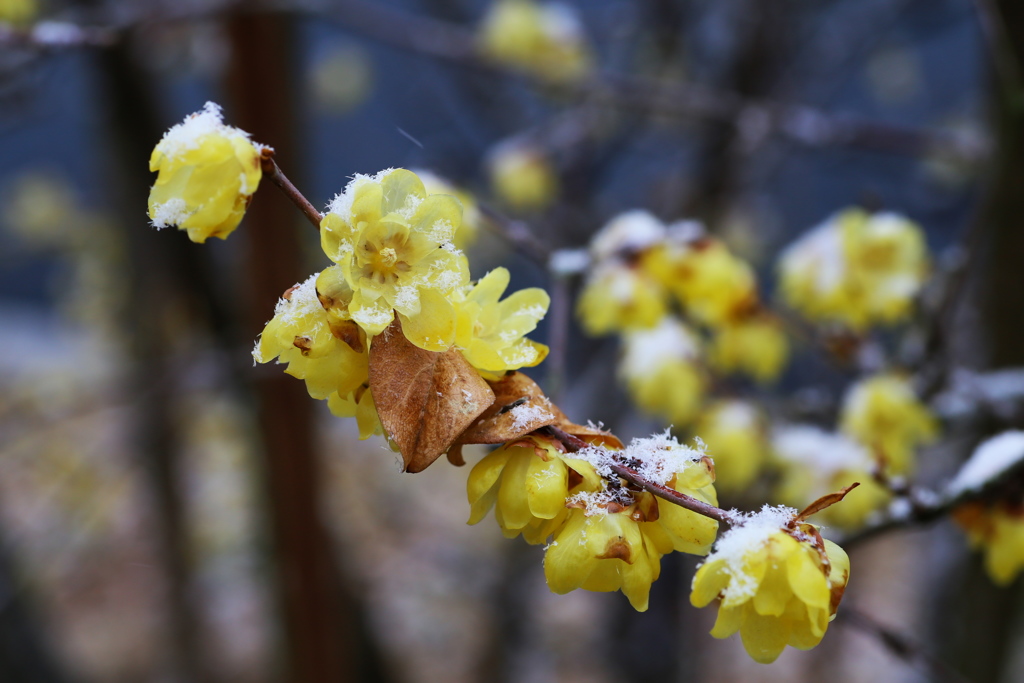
(574, 444)
(273, 171)
(517, 233)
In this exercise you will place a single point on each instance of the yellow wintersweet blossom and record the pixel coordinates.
(661, 369)
(490, 332)
(300, 334)
(527, 483)
(207, 174)
(471, 217)
(613, 539)
(545, 40)
(813, 463)
(358, 404)
(756, 345)
(883, 413)
(619, 297)
(998, 529)
(778, 581)
(522, 177)
(734, 432)
(393, 243)
(715, 287)
(856, 268)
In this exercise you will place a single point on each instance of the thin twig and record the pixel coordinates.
(273, 171)
(518, 234)
(574, 444)
(903, 647)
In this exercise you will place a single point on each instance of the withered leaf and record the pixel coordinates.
(425, 400)
(498, 424)
(825, 501)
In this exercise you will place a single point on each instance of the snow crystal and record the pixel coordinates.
(301, 304)
(170, 213)
(441, 231)
(188, 134)
(820, 252)
(528, 414)
(592, 502)
(737, 416)
(749, 533)
(656, 458)
(342, 203)
(647, 350)
(989, 461)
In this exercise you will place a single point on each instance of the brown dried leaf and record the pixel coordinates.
(503, 421)
(825, 501)
(425, 399)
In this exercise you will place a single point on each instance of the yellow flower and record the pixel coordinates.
(358, 404)
(756, 345)
(620, 297)
(301, 335)
(522, 177)
(661, 370)
(207, 174)
(613, 539)
(884, 414)
(779, 585)
(814, 462)
(734, 432)
(544, 40)
(393, 243)
(490, 333)
(714, 286)
(471, 217)
(998, 528)
(527, 483)
(856, 268)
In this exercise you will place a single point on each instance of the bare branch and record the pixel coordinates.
(273, 171)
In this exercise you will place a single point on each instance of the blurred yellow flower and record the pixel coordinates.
(207, 174)
(618, 297)
(545, 40)
(18, 11)
(734, 432)
(393, 243)
(661, 369)
(813, 463)
(358, 404)
(522, 177)
(471, 217)
(998, 529)
(300, 334)
(756, 345)
(883, 413)
(856, 268)
(490, 332)
(714, 286)
(778, 584)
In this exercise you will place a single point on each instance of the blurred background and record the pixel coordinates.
(169, 513)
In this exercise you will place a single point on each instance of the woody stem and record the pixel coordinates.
(273, 171)
(574, 444)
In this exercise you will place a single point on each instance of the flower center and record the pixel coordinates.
(388, 256)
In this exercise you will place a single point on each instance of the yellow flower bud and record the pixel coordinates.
(660, 368)
(545, 40)
(734, 432)
(998, 529)
(756, 345)
(618, 297)
(522, 177)
(779, 583)
(208, 173)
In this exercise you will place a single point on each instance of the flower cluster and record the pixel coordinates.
(545, 40)
(779, 583)
(208, 173)
(606, 537)
(685, 305)
(856, 269)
